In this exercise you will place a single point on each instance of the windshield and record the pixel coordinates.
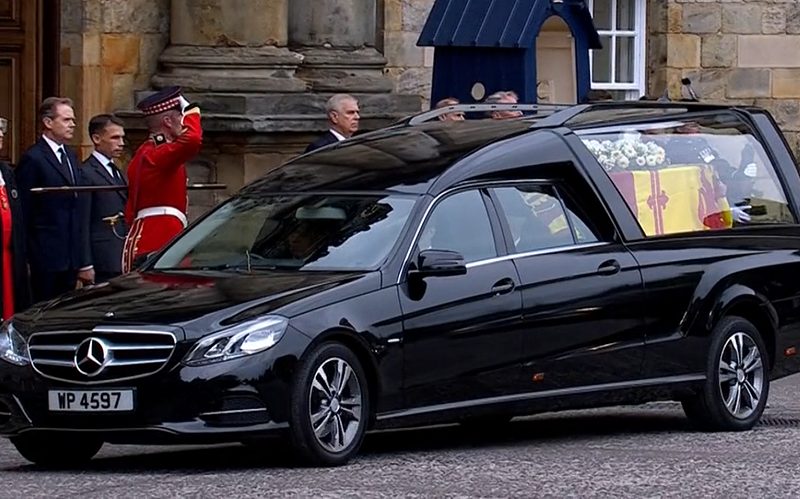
(295, 232)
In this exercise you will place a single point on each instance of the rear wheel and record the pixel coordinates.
(329, 407)
(58, 450)
(737, 381)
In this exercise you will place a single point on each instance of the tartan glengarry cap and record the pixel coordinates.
(163, 100)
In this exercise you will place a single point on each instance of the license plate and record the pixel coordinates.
(90, 400)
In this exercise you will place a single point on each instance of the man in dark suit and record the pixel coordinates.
(104, 215)
(58, 245)
(343, 117)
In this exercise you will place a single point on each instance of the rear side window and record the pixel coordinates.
(538, 219)
(460, 223)
(691, 175)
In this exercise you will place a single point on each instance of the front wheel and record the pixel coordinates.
(57, 450)
(330, 406)
(737, 381)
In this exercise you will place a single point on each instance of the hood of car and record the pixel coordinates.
(197, 301)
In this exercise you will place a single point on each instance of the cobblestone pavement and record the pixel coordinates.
(645, 451)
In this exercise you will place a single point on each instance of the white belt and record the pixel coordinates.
(163, 210)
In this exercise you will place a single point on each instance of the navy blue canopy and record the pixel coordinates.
(501, 23)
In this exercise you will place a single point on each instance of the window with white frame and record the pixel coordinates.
(619, 66)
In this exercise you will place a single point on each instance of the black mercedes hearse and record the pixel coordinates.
(439, 271)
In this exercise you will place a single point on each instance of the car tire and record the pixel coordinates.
(57, 450)
(737, 379)
(330, 406)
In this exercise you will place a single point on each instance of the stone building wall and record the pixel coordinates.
(266, 103)
(409, 66)
(109, 49)
(733, 51)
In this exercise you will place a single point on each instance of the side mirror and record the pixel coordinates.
(439, 263)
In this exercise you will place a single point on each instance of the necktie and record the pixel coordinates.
(64, 159)
(114, 171)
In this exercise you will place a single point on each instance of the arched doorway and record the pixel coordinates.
(555, 63)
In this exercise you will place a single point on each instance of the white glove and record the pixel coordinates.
(184, 103)
(707, 155)
(740, 214)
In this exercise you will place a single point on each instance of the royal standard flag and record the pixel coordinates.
(675, 199)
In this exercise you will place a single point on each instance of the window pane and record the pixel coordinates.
(625, 59)
(621, 94)
(707, 174)
(460, 223)
(626, 15)
(602, 14)
(581, 223)
(601, 62)
(535, 217)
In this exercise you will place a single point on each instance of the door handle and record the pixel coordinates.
(609, 267)
(503, 286)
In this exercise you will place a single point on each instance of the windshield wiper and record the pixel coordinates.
(237, 267)
(252, 261)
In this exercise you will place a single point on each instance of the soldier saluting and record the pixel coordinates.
(156, 206)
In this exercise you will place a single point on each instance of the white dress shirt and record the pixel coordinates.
(57, 148)
(338, 135)
(53, 145)
(106, 162)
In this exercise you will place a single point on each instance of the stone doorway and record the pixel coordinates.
(29, 52)
(555, 63)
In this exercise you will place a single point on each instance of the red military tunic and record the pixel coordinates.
(7, 252)
(156, 207)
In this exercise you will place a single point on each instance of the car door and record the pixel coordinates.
(461, 333)
(581, 290)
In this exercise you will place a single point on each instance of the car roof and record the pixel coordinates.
(400, 158)
(423, 154)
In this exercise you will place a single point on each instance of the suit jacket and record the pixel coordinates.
(22, 291)
(104, 245)
(57, 241)
(326, 139)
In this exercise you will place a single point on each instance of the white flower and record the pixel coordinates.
(623, 162)
(651, 161)
(629, 151)
(640, 161)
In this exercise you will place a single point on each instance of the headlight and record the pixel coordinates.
(13, 348)
(246, 338)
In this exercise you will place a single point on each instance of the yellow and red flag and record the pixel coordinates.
(675, 199)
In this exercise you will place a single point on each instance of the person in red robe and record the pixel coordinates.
(14, 286)
(157, 201)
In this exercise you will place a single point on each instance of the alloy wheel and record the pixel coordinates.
(741, 375)
(334, 405)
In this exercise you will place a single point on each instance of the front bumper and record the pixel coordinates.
(224, 402)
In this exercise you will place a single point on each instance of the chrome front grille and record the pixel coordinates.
(102, 355)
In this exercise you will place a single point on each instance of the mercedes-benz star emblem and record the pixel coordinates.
(91, 357)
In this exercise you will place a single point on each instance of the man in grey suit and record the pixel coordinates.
(103, 214)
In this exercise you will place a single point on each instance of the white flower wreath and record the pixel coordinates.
(629, 152)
